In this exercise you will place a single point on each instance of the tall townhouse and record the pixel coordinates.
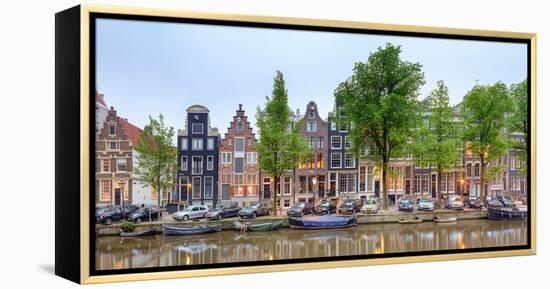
(101, 110)
(509, 179)
(342, 164)
(198, 152)
(310, 176)
(115, 159)
(238, 163)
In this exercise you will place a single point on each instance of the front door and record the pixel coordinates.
(225, 192)
(377, 189)
(407, 187)
(117, 197)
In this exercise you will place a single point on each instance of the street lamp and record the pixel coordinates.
(461, 187)
(314, 182)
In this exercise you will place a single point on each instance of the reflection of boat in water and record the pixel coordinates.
(262, 227)
(190, 230)
(195, 248)
(416, 220)
(445, 220)
(322, 222)
(325, 235)
(506, 214)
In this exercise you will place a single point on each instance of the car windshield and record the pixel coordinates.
(425, 200)
(348, 203)
(405, 201)
(300, 205)
(256, 205)
(325, 204)
(219, 208)
(371, 202)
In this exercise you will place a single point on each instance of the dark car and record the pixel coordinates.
(493, 203)
(108, 215)
(406, 205)
(145, 214)
(221, 212)
(325, 208)
(350, 207)
(475, 203)
(506, 201)
(255, 210)
(128, 210)
(299, 209)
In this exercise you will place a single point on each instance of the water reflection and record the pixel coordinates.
(232, 246)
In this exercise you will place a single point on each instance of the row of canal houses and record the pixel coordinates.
(213, 170)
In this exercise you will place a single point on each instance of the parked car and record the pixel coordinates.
(299, 209)
(255, 210)
(350, 206)
(454, 202)
(145, 214)
(406, 205)
(371, 206)
(191, 212)
(425, 204)
(492, 203)
(475, 203)
(506, 201)
(226, 211)
(108, 215)
(128, 210)
(325, 208)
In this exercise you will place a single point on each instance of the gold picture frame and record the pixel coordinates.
(77, 268)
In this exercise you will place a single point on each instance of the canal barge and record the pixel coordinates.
(322, 222)
(506, 214)
(190, 230)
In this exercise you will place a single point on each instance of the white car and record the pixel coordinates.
(191, 212)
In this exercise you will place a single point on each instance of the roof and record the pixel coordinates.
(197, 108)
(133, 132)
(100, 99)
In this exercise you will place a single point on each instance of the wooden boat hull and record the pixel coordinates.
(149, 232)
(262, 227)
(190, 230)
(506, 214)
(322, 222)
(445, 220)
(414, 221)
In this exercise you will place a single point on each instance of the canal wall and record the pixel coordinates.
(227, 224)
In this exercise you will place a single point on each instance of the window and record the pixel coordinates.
(343, 127)
(286, 187)
(112, 129)
(302, 184)
(210, 143)
(476, 170)
(311, 143)
(196, 128)
(451, 182)
(239, 165)
(252, 184)
(336, 142)
(336, 160)
(210, 163)
(312, 115)
(121, 165)
(417, 183)
(350, 161)
(239, 182)
(183, 144)
(320, 142)
(196, 165)
(332, 125)
(311, 126)
(286, 203)
(196, 187)
(240, 126)
(251, 158)
(239, 144)
(320, 161)
(443, 181)
(208, 187)
(370, 178)
(399, 179)
(343, 182)
(226, 158)
(112, 146)
(425, 181)
(197, 144)
(362, 178)
(183, 163)
(347, 142)
(351, 182)
(332, 182)
(105, 165)
(469, 169)
(105, 190)
(183, 188)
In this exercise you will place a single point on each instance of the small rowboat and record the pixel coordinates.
(410, 221)
(190, 230)
(445, 220)
(148, 232)
(322, 222)
(262, 227)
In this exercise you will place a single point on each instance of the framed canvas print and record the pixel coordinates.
(194, 144)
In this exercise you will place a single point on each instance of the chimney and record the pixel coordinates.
(240, 112)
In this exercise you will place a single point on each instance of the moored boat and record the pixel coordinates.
(322, 222)
(507, 214)
(190, 230)
(444, 220)
(262, 227)
(410, 221)
(143, 233)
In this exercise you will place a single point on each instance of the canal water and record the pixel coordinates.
(232, 246)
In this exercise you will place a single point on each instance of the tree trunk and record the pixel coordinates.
(438, 186)
(482, 178)
(159, 198)
(275, 192)
(385, 183)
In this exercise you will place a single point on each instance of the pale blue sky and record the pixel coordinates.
(147, 68)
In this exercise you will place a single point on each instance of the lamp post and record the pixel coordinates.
(121, 187)
(314, 182)
(189, 187)
(461, 187)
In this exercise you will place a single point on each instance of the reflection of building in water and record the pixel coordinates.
(232, 246)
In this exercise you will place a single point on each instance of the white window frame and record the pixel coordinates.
(197, 123)
(347, 143)
(332, 159)
(235, 148)
(108, 145)
(346, 161)
(201, 165)
(313, 127)
(331, 143)
(102, 164)
(101, 199)
(125, 161)
(193, 188)
(197, 147)
(209, 195)
(251, 158)
(184, 144)
(112, 124)
(182, 167)
(209, 163)
(226, 157)
(210, 143)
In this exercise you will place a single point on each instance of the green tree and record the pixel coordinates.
(380, 102)
(519, 119)
(156, 158)
(280, 146)
(484, 110)
(438, 139)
